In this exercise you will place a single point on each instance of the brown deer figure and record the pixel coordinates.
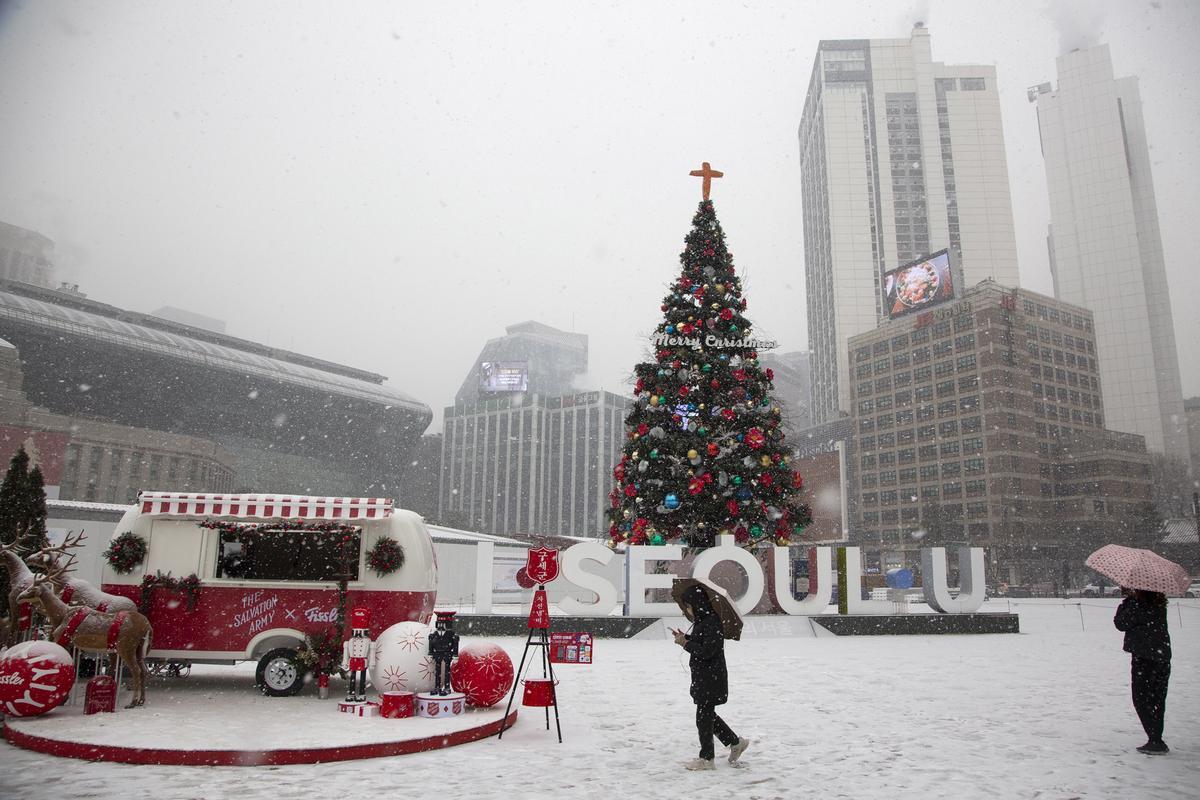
(76, 591)
(123, 633)
(20, 578)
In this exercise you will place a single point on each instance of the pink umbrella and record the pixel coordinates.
(1135, 568)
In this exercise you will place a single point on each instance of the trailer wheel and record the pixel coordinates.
(279, 674)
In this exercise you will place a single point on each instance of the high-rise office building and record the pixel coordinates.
(900, 156)
(523, 452)
(528, 463)
(981, 422)
(529, 357)
(1105, 248)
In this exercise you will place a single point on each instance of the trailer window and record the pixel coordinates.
(288, 555)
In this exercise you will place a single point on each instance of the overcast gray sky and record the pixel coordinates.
(388, 185)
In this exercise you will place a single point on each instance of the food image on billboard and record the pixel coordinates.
(918, 285)
(503, 376)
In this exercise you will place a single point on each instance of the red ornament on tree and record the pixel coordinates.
(726, 314)
(755, 438)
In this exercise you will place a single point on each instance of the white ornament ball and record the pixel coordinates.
(402, 662)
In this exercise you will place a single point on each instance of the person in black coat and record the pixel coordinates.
(710, 678)
(1143, 618)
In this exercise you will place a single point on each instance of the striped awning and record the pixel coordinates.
(263, 506)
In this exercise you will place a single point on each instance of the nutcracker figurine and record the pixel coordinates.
(356, 652)
(443, 646)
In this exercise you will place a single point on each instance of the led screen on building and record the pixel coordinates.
(503, 376)
(918, 285)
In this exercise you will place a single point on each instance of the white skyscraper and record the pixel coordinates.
(1105, 248)
(900, 156)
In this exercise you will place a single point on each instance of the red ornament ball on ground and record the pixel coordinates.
(35, 677)
(484, 673)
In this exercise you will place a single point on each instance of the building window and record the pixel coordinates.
(951, 469)
(972, 424)
(966, 362)
(949, 448)
(976, 488)
(973, 465)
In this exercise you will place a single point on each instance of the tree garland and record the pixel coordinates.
(190, 586)
(282, 528)
(385, 556)
(125, 552)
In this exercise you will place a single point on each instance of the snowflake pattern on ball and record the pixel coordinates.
(395, 679)
(412, 640)
(426, 668)
(491, 662)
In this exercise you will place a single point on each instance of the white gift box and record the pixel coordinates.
(369, 709)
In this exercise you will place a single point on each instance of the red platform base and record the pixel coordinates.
(215, 721)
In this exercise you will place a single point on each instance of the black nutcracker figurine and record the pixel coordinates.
(443, 647)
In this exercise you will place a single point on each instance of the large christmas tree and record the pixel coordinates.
(704, 453)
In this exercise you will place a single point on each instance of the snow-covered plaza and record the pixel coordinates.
(1044, 714)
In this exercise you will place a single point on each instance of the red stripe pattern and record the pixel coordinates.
(261, 506)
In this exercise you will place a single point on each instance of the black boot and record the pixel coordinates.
(1154, 748)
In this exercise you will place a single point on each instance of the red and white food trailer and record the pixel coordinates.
(268, 569)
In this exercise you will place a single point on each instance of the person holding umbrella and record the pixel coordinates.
(713, 619)
(1142, 616)
(1146, 579)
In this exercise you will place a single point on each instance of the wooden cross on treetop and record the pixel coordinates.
(708, 173)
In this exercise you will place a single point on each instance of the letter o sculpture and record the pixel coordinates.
(727, 550)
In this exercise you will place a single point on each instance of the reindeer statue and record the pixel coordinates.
(126, 634)
(76, 591)
(20, 578)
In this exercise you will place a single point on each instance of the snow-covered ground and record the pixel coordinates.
(1045, 714)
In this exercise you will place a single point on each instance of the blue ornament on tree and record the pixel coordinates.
(671, 501)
